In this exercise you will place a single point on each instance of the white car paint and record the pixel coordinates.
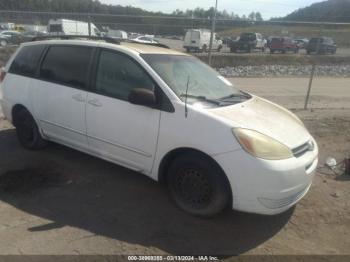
(199, 39)
(139, 138)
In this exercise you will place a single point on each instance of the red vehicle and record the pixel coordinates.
(284, 45)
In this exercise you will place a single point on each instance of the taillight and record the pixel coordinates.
(2, 74)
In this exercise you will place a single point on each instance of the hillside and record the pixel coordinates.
(327, 11)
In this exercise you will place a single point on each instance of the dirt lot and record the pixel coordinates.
(60, 201)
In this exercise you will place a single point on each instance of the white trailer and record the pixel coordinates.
(71, 27)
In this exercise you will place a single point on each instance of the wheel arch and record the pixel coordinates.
(171, 155)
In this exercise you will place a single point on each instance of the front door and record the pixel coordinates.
(118, 130)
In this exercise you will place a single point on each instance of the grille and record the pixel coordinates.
(301, 150)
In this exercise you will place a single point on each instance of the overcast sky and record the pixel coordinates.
(268, 8)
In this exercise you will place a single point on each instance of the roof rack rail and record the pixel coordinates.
(151, 44)
(103, 38)
(77, 37)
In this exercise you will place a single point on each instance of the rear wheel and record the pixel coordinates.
(27, 131)
(197, 185)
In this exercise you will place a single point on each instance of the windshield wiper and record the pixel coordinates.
(235, 95)
(202, 98)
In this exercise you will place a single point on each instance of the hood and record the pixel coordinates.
(267, 118)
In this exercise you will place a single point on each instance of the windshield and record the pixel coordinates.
(178, 71)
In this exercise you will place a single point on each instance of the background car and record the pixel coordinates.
(321, 45)
(145, 40)
(30, 35)
(248, 42)
(10, 37)
(283, 45)
(301, 42)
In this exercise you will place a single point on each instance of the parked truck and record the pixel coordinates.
(248, 42)
(71, 27)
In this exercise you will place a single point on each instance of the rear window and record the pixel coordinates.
(55, 28)
(66, 65)
(247, 37)
(277, 40)
(26, 61)
(315, 40)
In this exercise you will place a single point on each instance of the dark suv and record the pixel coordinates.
(283, 44)
(248, 42)
(321, 45)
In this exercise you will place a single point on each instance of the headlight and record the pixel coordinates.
(260, 145)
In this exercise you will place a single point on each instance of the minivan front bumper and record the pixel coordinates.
(268, 186)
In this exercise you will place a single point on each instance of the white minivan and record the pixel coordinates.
(164, 114)
(199, 40)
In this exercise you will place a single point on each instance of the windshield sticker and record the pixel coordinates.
(223, 79)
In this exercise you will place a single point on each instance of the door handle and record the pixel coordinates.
(95, 102)
(78, 97)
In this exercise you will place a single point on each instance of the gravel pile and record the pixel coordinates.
(284, 70)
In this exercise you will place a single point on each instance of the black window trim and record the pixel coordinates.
(163, 102)
(87, 77)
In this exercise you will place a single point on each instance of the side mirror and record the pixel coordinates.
(143, 97)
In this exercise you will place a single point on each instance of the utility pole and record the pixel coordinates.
(212, 32)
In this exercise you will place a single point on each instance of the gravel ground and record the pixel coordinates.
(285, 70)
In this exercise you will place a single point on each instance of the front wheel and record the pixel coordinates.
(198, 186)
(27, 131)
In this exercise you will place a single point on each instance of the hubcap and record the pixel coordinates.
(193, 187)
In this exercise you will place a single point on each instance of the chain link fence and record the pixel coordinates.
(170, 30)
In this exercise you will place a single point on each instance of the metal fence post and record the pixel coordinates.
(212, 32)
(89, 23)
(310, 85)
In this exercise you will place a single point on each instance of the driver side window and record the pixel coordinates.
(117, 75)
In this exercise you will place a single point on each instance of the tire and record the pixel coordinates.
(28, 132)
(233, 50)
(296, 51)
(188, 50)
(263, 50)
(308, 52)
(3, 43)
(204, 48)
(272, 51)
(219, 48)
(197, 185)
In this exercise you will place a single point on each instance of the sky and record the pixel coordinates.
(268, 8)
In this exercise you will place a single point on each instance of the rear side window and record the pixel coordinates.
(67, 65)
(117, 75)
(26, 61)
(55, 28)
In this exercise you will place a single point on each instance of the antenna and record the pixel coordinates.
(188, 82)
